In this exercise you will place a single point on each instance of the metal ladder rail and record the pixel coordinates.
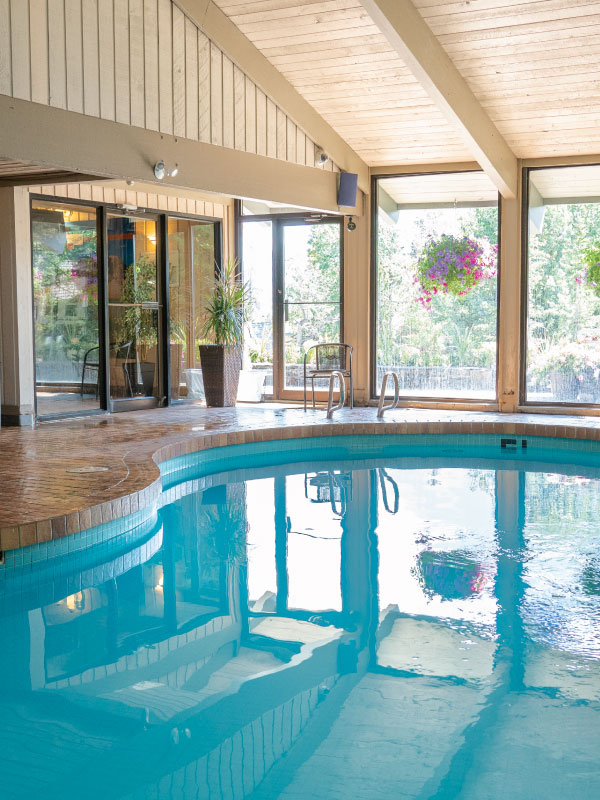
(381, 408)
(332, 378)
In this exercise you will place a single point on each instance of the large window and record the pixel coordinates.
(563, 286)
(436, 285)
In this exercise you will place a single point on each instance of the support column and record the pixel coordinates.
(357, 290)
(509, 328)
(16, 308)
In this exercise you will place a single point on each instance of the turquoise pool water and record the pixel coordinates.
(352, 617)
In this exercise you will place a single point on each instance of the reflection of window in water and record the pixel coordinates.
(437, 554)
(313, 550)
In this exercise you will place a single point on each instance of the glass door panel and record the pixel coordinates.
(133, 308)
(257, 264)
(191, 273)
(65, 296)
(311, 295)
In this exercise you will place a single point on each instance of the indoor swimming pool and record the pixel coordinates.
(365, 617)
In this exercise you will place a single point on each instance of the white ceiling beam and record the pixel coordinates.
(222, 31)
(413, 40)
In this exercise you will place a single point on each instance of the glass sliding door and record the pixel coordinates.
(134, 312)
(309, 296)
(65, 298)
(192, 252)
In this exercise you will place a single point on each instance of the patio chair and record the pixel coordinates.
(91, 361)
(329, 357)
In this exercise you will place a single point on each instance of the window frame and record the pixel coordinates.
(537, 405)
(424, 400)
(102, 210)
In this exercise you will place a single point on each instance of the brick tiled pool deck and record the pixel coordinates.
(42, 500)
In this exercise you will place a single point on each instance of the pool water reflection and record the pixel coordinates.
(395, 631)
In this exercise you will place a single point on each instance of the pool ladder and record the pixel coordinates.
(381, 408)
(339, 376)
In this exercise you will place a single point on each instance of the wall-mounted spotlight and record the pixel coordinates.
(321, 157)
(161, 171)
(351, 225)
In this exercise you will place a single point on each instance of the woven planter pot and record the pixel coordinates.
(221, 373)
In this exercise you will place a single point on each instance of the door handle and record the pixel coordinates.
(286, 311)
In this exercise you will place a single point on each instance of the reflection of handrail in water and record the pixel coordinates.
(335, 480)
(383, 476)
(382, 407)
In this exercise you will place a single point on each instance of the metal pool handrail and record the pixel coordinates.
(330, 407)
(382, 407)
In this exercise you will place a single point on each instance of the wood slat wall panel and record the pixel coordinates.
(239, 108)
(106, 55)
(151, 93)
(5, 58)
(179, 56)
(74, 49)
(122, 82)
(165, 66)
(250, 117)
(136, 62)
(19, 31)
(191, 80)
(91, 74)
(216, 94)
(228, 108)
(57, 53)
(38, 32)
(204, 122)
(110, 194)
(143, 63)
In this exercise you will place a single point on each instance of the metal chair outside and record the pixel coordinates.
(329, 357)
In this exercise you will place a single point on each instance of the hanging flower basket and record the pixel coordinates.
(453, 265)
(591, 275)
(452, 575)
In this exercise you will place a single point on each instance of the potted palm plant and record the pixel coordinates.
(223, 323)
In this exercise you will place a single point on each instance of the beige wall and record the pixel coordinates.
(16, 302)
(16, 298)
(143, 195)
(142, 63)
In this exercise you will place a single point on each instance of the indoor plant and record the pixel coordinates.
(223, 323)
(137, 324)
(453, 265)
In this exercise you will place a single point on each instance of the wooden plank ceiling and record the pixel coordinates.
(532, 64)
(18, 173)
(471, 188)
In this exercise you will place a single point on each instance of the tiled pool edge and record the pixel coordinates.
(117, 508)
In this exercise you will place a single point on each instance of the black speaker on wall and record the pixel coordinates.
(348, 189)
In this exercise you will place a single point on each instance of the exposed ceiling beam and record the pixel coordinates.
(240, 49)
(121, 151)
(411, 37)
